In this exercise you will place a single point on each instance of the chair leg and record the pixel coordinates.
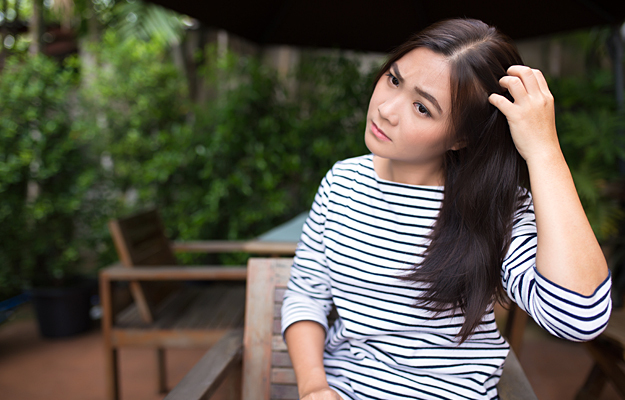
(112, 374)
(236, 384)
(162, 370)
(593, 386)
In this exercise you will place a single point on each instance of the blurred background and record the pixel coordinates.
(110, 107)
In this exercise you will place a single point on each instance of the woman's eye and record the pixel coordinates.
(421, 109)
(393, 79)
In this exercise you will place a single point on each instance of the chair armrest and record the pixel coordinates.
(249, 246)
(206, 376)
(513, 384)
(208, 246)
(172, 273)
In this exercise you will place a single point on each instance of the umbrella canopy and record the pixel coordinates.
(373, 25)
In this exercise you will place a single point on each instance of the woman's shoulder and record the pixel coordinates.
(360, 165)
(364, 161)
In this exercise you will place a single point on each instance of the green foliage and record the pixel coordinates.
(233, 167)
(133, 112)
(263, 150)
(591, 136)
(44, 174)
(146, 21)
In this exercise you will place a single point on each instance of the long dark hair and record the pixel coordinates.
(462, 264)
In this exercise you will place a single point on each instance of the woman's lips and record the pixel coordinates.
(377, 132)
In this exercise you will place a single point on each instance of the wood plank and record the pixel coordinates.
(175, 307)
(284, 392)
(271, 248)
(276, 326)
(257, 356)
(263, 276)
(110, 353)
(281, 359)
(120, 246)
(204, 378)
(222, 309)
(143, 306)
(144, 239)
(124, 253)
(219, 306)
(277, 343)
(209, 246)
(165, 273)
(165, 338)
(283, 376)
(279, 294)
(229, 246)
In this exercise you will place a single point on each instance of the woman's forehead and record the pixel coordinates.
(424, 70)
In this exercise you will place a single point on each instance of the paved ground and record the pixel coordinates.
(32, 368)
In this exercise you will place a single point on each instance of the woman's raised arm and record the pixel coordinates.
(568, 253)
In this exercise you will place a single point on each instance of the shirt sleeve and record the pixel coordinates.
(308, 295)
(562, 312)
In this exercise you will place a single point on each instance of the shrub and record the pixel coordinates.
(45, 175)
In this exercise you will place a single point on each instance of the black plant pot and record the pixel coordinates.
(63, 311)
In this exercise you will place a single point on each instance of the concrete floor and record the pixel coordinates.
(32, 368)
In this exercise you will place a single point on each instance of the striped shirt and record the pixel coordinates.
(364, 232)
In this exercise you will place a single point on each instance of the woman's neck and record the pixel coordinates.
(410, 174)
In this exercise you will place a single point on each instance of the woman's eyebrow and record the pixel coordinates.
(417, 89)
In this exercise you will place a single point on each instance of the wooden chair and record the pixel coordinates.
(166, 312)
(266, 367)
(608, 353)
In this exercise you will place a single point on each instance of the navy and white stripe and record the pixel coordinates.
(362, 233)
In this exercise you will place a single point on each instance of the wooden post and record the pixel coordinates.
(110, 353)
(37, 28)
(3, 33)
(162, 370)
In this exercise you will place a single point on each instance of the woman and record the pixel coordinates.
(415, 242)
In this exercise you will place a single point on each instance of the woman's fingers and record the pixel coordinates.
(542, 83)
(514, 85)
(531, 115)
(504, 105)
(527, 77)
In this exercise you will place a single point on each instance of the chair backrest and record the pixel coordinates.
(267, 368)
(140, 241)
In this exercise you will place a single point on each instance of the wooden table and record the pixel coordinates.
(279, 241)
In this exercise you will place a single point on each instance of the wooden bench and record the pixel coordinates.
(172, 306)
(260, 355)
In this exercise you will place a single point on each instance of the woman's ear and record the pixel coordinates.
(460, 144)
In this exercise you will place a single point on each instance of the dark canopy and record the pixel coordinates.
(375, 25)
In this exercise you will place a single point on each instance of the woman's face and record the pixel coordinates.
(409, 112)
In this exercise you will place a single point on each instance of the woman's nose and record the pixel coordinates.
(388, 111)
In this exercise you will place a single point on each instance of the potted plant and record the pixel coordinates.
(45, 181)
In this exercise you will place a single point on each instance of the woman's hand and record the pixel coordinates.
(531, 117)
(322, 394)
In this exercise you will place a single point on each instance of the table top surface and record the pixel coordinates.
(289, 231)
